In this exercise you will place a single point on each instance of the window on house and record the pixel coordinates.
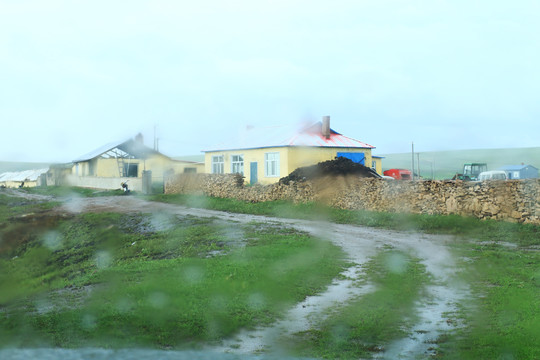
(92, 168)
(131, 170)
(217, 164)
(271, 164)
(237, 164)
(373, 164)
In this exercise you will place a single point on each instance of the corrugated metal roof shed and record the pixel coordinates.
(293, 135)
(97, 152)
(27, 175)
(515, 167)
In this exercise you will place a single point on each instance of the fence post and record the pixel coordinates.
(42, 180)
(147, 182)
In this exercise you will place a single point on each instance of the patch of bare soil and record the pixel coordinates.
(360, 243)
(63, 299)
(18, 231)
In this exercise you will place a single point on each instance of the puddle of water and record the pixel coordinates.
(440, 300)
(300, 318)
(500, 243)
(432, 310)
(123, 354)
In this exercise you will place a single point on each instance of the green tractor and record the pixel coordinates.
(472, 170)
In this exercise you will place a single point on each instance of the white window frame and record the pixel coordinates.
(271, 164)
(218, 164)
(237, 166)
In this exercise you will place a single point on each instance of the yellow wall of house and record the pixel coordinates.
(378, 165)
(252, 155)
(109, 168)
(290, 158)
(99, 167)
(158, 164)
(16, 184)
(161, 164)
(81, 169)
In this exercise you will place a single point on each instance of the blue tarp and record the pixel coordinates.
(359, 158)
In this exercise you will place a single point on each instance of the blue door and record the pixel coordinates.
(359, 158)
(253, 173)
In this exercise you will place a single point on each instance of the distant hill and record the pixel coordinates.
(7, 166)
(194, 158)
(445, 164)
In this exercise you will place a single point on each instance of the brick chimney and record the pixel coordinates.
(326, 127)
(139, 138)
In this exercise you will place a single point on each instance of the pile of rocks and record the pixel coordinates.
(340, 166)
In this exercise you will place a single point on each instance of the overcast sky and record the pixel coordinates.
(446, 74)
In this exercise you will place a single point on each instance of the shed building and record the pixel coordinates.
(520, 171)
(125, 161)
(26, 178)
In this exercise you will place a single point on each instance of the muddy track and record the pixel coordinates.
(360, 243)
(25, 195)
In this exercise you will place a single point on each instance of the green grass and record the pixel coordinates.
(503, 316)
(156, 281)
(71, 191)
(13, 206)
(365, 325)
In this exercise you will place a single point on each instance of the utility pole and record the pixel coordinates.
(412, 149)
(418, 164)
(155, 142)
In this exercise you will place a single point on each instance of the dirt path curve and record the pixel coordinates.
(28, 196)
(360, 243)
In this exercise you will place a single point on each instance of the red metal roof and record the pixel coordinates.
(295, 135)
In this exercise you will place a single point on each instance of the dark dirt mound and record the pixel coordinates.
(339, 166)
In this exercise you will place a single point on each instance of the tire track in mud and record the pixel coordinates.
(360, 243)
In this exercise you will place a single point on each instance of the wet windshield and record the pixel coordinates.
(269, 179)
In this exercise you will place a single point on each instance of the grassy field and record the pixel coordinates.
(503, 317)
(500, 262)
(118, 280)
(444, 164)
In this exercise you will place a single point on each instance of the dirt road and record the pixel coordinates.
(360, 243)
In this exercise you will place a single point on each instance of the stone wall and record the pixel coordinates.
(512, 200)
